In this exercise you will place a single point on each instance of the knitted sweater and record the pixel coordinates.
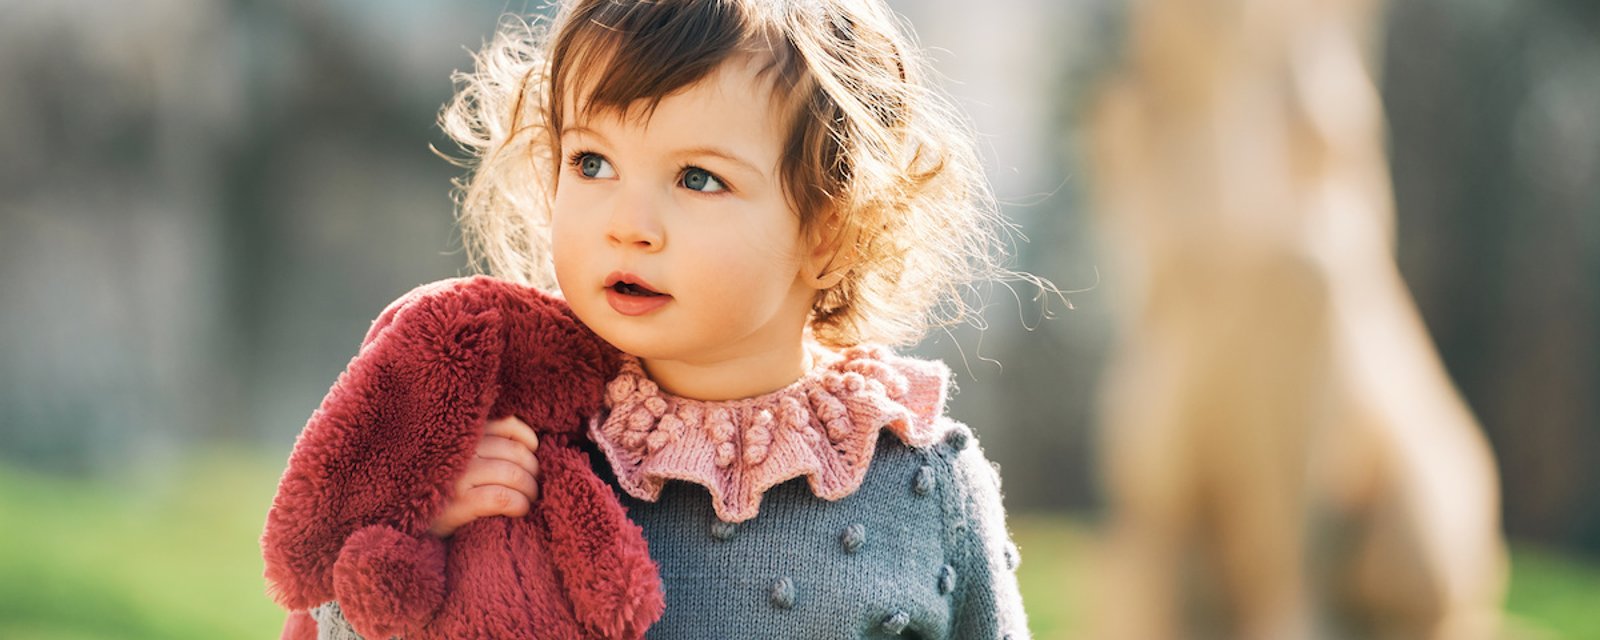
(846, 505)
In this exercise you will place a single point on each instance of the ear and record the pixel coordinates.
(832, 254)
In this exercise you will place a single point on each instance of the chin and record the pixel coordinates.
(631, 346)
(634, 341)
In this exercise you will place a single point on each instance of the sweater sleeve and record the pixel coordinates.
(331, 624)
(987, 602)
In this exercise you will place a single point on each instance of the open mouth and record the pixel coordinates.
(631, 289)
(630, 295)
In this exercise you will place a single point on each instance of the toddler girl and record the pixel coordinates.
(748, 199)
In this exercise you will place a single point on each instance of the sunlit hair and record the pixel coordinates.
(872, 153)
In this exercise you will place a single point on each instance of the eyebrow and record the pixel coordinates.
(715, 152)
(724, 155)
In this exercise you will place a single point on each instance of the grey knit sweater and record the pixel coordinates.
(919, 549)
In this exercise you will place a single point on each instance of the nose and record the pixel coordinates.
(636, 222)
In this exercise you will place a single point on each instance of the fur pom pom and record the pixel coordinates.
(388, 582)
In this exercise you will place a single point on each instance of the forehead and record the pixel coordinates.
(606, 73)
(741, 83)
(730, 112)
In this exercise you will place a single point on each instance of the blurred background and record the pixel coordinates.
(204, 203)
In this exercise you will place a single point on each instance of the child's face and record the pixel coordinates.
(688, 203)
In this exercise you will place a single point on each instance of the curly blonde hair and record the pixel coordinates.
(873, 154)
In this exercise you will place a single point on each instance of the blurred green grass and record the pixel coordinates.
(171, 556)
(176, 556)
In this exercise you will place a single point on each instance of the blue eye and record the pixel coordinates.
(697, 179)
(593, 165)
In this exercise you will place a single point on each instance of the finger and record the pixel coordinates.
(511, 428)
(498, 448)
(495, 500)
(500, 472)
(450, 519)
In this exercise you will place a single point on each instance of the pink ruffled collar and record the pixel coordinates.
(823, 426)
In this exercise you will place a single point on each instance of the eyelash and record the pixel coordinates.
(575, 161)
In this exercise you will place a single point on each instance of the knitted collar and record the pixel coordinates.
(823, 426)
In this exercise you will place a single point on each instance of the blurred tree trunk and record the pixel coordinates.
(1285, 455)
(1496, 163)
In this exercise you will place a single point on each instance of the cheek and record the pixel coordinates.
(566, 238)
(753, 265)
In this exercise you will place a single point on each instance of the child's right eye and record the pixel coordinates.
(593, 165)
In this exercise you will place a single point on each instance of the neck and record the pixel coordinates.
(730, 378)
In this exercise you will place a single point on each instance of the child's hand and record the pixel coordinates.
(500, 480)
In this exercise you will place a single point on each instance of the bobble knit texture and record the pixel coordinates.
(887, 525)
(824, 427)
(843, 506)
(882, 562)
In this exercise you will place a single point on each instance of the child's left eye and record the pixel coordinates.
(697, 179)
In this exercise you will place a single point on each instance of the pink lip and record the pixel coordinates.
(632, 305)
